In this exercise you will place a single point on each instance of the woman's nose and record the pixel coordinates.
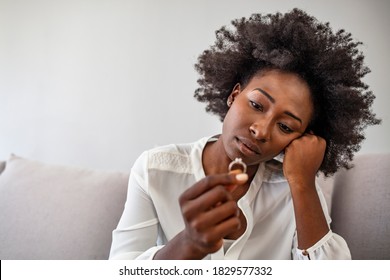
(261, 131)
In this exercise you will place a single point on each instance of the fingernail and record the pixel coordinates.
(242, 177)
(235, 171)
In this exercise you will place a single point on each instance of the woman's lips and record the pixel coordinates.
(248, 148)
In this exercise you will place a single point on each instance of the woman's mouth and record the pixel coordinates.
(247, 147)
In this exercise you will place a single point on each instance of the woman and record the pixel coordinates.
(290, 95)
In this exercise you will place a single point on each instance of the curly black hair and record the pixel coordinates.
(296, 42)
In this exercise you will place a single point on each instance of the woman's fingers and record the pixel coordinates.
(303, 158)
(208, 229)
(205, 201)
(209, 192)
(209, 211)
(215, 216)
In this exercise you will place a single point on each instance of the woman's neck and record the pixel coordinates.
(214, 158)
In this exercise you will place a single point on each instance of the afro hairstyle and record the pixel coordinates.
(330, 62)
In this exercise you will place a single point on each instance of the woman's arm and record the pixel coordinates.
(137, 231)
(208, 209)
(302, 160)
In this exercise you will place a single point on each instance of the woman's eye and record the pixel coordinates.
(285, 128)
(256, 106)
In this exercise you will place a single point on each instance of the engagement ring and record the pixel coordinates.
(237, 164)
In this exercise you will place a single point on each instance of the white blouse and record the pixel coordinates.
(152, 215)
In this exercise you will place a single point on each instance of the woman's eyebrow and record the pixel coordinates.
(266, 94)
(293, 116)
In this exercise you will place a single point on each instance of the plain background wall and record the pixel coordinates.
(94, 83)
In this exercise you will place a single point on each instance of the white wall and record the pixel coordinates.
(94, 83)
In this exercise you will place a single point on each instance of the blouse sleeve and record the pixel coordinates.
(137, 232)
(330, 247)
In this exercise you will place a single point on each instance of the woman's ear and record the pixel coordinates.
(236, 90)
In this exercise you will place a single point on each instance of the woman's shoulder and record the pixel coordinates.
(174, 157)
(182, 149)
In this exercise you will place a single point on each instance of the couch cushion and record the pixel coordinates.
(58, 212)
(361, 206)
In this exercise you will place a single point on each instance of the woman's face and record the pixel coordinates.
(272, 110)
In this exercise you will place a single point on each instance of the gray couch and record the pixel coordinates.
(60, 212)
(361, 207)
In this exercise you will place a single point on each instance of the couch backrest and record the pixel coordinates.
(58, 212)
(361, 206)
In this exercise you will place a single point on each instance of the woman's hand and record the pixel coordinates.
(303, 158)
(209, 213)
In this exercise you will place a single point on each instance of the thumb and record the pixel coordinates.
(241, 179)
